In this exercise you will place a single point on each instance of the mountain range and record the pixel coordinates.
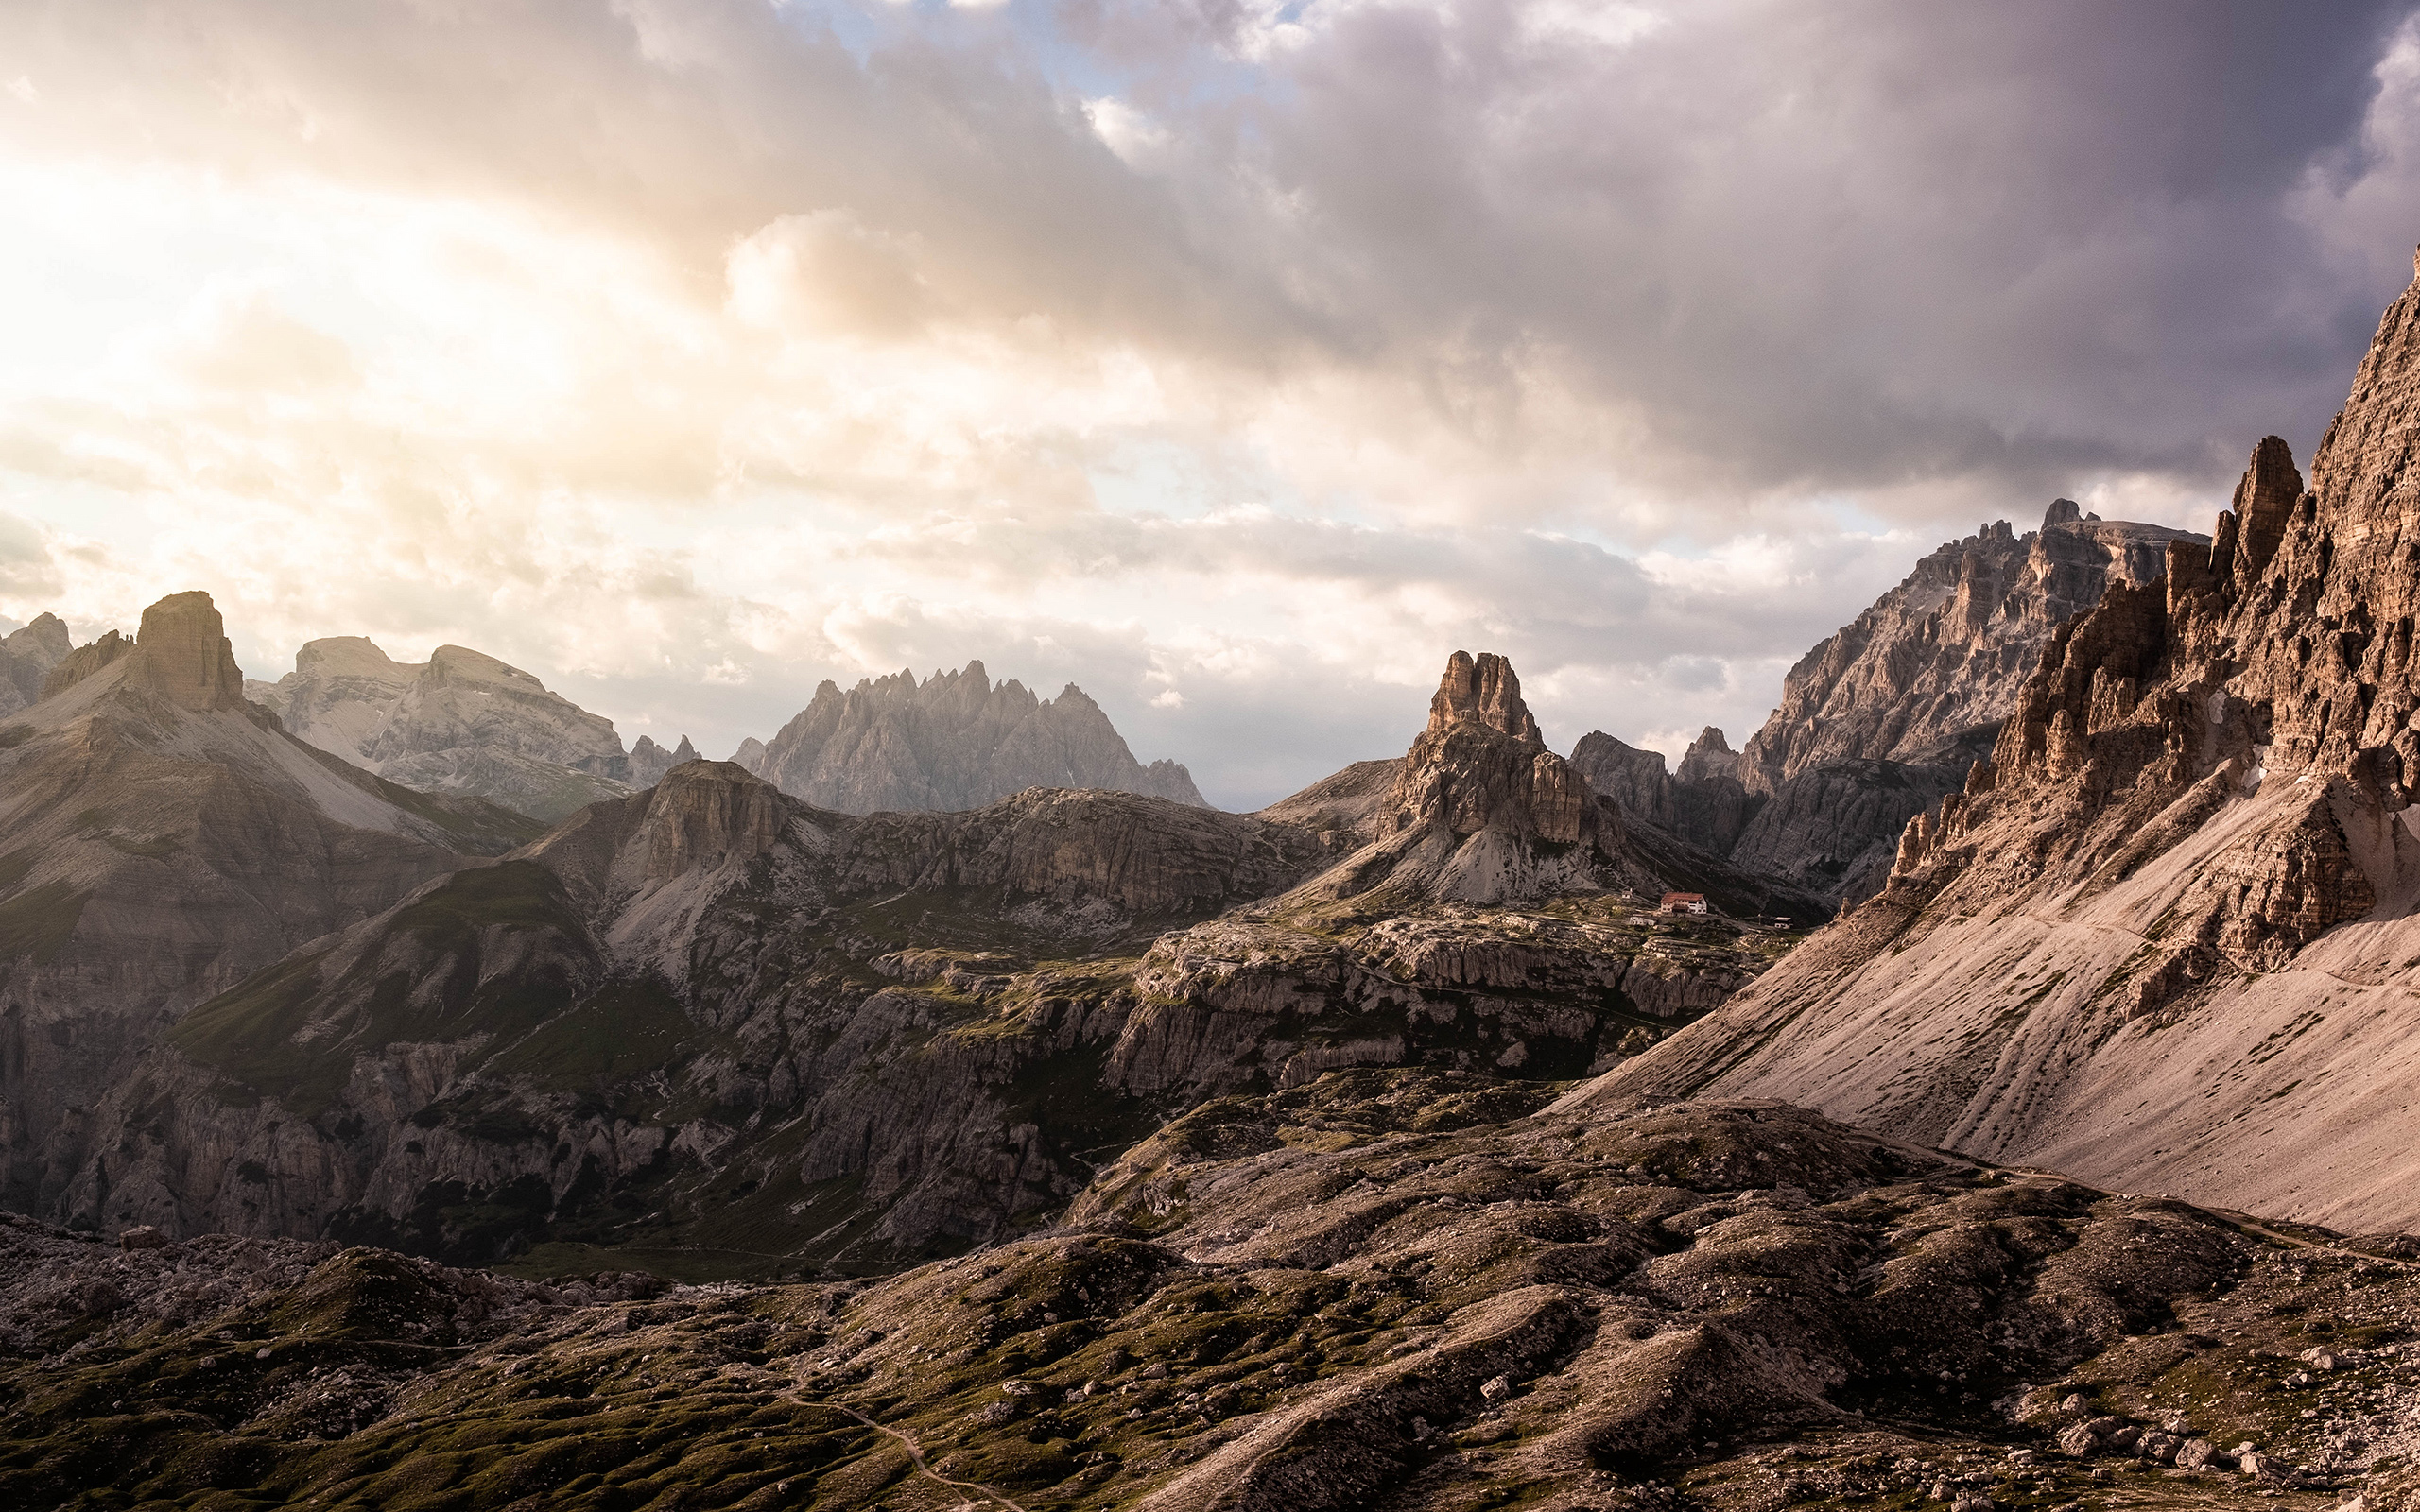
(2163, 934)
(848, 1126)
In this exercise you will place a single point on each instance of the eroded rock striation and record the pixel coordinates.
(2165, 933)
(954, 740)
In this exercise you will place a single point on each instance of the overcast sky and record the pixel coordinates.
(1236, 360)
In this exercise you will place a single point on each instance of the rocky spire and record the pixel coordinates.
(1709, 756)
(181, 654)
(2264, 501)
(2063, 512)
(1484, 691)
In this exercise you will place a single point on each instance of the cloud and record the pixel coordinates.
(1236, 360)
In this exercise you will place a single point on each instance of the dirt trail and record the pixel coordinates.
(915, 1453)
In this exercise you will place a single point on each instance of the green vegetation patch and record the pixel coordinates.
(37, 921)
(628, 1029)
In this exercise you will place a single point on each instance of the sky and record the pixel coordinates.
(1238, 360)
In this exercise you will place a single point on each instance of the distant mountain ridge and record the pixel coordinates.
(1881, 719)
(954, 740)
(460, 722)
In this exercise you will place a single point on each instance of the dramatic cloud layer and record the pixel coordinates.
(1235, 359)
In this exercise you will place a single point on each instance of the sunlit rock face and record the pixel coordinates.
(1882, 719)
(2165, 936)
(954, 740)
(461, 722)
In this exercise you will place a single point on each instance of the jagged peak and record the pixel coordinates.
(182, 653)
(1482, 690)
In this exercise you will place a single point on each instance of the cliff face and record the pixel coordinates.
(1882, 719)
(2165, 936)
(160, 839)
(1929, 673)
(954, 740)
(461, 723)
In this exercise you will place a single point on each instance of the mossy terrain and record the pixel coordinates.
(1471, 1302)
(37, 921)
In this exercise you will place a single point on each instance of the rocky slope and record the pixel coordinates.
(710, 1024)
(1386, 1290)
(954, 740)
(460, 722)
(160, 838)
(2165, 934)
(1877, 723)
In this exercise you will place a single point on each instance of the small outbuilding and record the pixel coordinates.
(1682, 903)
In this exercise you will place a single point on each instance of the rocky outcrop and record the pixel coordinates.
(1413, 1290)
(1834, 830)
(1927, 674)
(1881, 720)
(459, 723)
(159, 840)
(954, 740)
(649, 761)
(28, 655)
(84, 661)
(2163, 936)
(181, 655)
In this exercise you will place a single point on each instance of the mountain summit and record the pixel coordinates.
(954, 740)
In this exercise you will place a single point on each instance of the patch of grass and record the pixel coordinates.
(39, 921)
(627, 1029)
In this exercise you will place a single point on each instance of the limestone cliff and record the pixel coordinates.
(650, 760)
(2166, 934)
(954, 740)
(461, 722)
(1880, 720)
(1927, 674)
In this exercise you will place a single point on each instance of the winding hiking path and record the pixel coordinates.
(915, 1453)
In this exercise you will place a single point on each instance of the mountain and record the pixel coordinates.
(160, 838)
(1882, 719)
(28, 656)
(954, 740)
(1929, 673)
(460, 722)
(650, 760)
(2165, 936)
(712, 1022)
(1405, 1289)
